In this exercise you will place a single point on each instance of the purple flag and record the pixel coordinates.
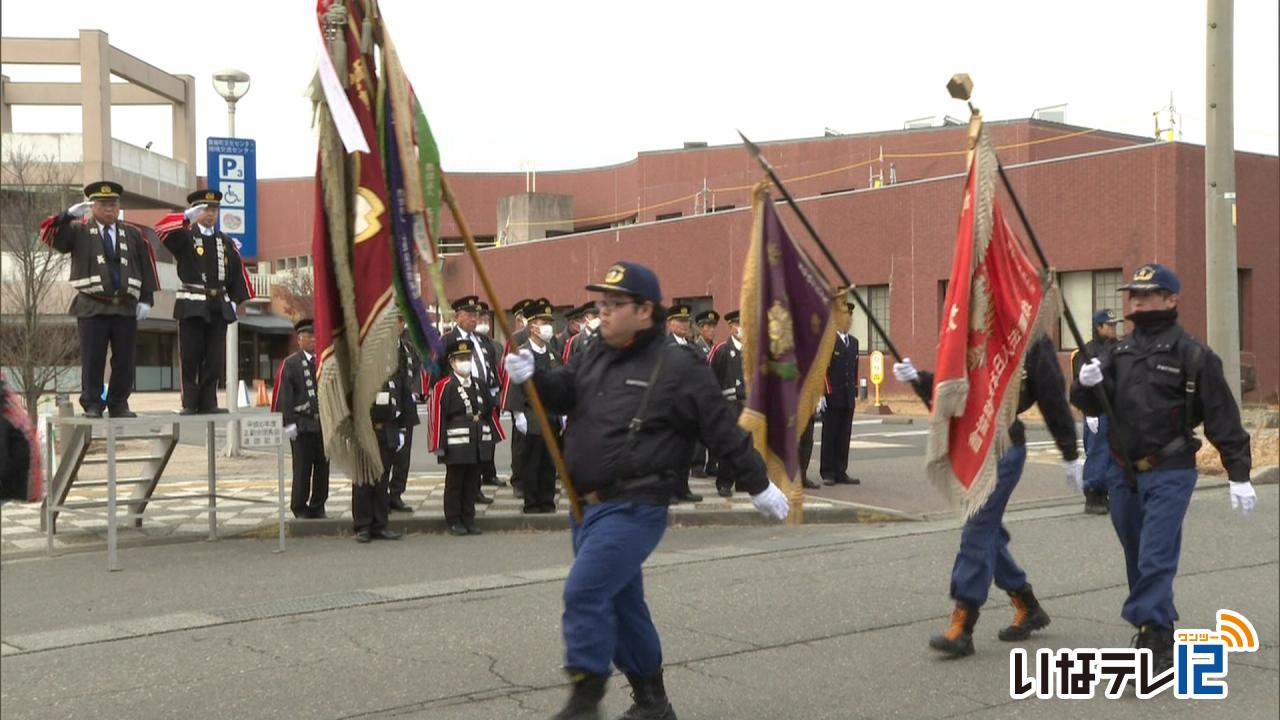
(788, 334)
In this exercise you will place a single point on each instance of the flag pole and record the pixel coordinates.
(826, 252)
(961, 88)
(531, 391)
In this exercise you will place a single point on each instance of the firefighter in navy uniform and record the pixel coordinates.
(984, 555)
(114, 275)
(213, 286)
(703, 342)
(1162, 383)
(518, 337)
(296, 400)
(587, 335)
(635, 402)
(412, 367)
(1097, 452)
(537, 469)
(462, 436)
(678, 317)
(484, 368)
(838, 404)
(726, 364)
(370, 502)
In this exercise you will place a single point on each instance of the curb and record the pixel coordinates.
(746, 517)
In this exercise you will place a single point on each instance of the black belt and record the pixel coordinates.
(1152, 461)
(621, 487)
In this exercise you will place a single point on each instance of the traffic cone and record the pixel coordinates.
(263, 400)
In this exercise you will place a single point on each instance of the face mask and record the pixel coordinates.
(482, 328)
(544, 332)
(593, 323)
(462, 367)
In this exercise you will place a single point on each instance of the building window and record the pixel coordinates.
(451, 246)
(668, 216)
(877, 299)
(1085, 292)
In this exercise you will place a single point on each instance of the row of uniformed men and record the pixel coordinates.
(467, 400)
(112, 269)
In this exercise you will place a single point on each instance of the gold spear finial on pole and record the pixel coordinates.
(961, 88)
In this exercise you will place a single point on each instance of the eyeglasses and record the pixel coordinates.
(611, 305)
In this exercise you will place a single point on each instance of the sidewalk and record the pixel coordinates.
(186, 520)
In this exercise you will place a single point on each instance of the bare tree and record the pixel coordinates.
(296, 290)
(37, 337)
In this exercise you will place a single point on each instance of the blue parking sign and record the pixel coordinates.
(233, 170)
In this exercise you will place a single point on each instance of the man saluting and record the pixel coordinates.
(114, 274)
(214, 284)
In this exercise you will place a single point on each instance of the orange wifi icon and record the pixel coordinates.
(1235, 630)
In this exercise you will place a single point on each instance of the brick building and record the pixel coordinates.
(886, 203)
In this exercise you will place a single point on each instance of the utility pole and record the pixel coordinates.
(1222, 293)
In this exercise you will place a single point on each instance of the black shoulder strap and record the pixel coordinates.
(638, 421)
(1193, 361)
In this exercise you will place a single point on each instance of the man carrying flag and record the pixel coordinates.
(993, 363)
(635, 403)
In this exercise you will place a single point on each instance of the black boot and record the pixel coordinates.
(1095, 502)
(650, 697)
(584, 702)
(1027, 615)
(957, 641)
(1159, 640)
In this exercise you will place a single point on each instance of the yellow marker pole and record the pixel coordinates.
(877, 372)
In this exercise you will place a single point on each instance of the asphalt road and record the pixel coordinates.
(773, 623)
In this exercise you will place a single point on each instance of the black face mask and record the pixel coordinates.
(1153, 320)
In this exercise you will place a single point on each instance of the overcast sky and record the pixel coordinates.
(579, 84)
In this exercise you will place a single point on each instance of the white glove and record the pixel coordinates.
(191, 212)
(905, 371)
(1075, 474)
(80, 209)
(519, 365)
(143, 311)
(522, 423)
(1092, 422)
(772, 503)
(1243, 498)
(291, 431)
(822, 404)
(400, 444)
(1091, 373)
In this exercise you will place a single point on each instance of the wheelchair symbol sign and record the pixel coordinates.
(232, 193)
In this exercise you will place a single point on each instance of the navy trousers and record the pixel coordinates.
(1097, 455)
(97, 333)
(1148, 521)
(605, 616)
(984, 542)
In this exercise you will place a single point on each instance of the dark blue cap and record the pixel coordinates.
(632, 279)
(1154, 276)
(1105, 316)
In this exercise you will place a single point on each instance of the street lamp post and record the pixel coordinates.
(232, 85)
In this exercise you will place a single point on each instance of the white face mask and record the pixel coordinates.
(545, 332)
(462, 367)
(482, 328)
(593, 323)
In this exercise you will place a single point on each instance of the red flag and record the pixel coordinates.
(357, 337)
(991, 313)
